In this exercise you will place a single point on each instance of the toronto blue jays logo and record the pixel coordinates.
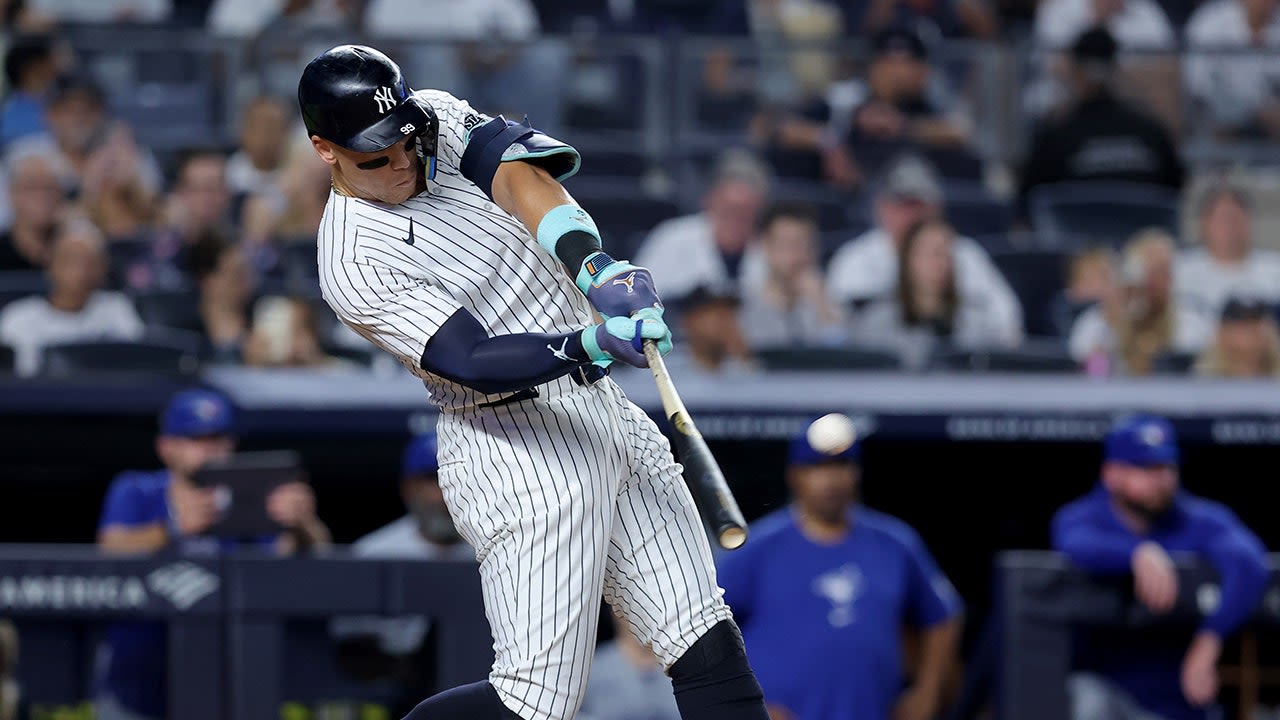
(841, 587)
(629, 281)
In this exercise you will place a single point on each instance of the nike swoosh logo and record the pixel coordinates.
(409, 240)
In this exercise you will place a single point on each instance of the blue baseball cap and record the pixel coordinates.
(196, 413)
(1141, 440)
(801, 452)
(420, 456)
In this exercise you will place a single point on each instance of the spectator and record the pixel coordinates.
(17, 16)
(1226, 263)
(286, 333)
(1098, 136)
(627, 682)
(954, 19)
(291, 207)
(711, 340)
(822, 592)
(30, 68)
(115, 190)
(10, 693)
(487, 51)
(1131, 522)
(934, 303)
(77, 119)
(200, 203)
(1246, 345)
(222, 281)
(247, 19)
(37, 204)
(1232, 70)
(1134, 24)
(106, 11)
(900, 106)
(264, 139)
(1139, 319)
(392, 648)
(76, 309)
(792, 308)
(147, 512)
(865, 269)
(1091, 278)
(709, 247)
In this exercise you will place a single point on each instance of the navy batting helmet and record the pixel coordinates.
(357, 98)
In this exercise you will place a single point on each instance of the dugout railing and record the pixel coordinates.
(227, 619)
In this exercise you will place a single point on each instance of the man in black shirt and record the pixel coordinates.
(1096, 135)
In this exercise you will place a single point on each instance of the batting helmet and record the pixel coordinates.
(357, 98)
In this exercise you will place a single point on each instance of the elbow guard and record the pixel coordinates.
(500, 140)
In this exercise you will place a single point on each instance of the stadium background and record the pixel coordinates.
(653, 92)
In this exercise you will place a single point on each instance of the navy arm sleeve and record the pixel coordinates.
(1240, 559)
(1089, 546)
(462, 351)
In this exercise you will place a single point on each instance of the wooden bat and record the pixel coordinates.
(701, 472)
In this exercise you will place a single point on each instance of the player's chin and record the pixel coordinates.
(397, 194)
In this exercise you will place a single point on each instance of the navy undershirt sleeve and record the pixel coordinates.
(462, 351)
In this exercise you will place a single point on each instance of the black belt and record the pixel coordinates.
(584, 375)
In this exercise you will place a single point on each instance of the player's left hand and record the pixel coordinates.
(622, 339)
(1200, 669)
(916, 703)
(619, 289)
(291, 504)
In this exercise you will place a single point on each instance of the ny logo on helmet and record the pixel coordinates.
(384, 99)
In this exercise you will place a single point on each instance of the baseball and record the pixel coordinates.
(832, 434)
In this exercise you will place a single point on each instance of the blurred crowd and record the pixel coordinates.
(842, 216)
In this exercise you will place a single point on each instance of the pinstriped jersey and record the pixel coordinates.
(395, 273)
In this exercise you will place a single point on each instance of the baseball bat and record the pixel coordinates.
(701, 471)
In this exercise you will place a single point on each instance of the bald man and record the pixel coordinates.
(75, 309)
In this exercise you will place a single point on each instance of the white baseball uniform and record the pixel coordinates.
(566, 497)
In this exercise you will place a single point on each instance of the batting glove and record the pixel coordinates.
(616, 288)
(622, 339)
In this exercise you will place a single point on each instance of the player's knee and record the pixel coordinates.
(713, 679)
(477, 701)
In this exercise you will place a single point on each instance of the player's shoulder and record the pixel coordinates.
(140, 486)
(777, 526)
(455, 114)
(888, 527)
(1091, 507)
(1208, 511)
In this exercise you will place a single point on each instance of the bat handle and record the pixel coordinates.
(651, 353)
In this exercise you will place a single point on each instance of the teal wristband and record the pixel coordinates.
(562, 220)
(589, 344)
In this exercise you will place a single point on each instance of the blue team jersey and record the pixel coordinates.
(1147, 662)
(132, 668)
(822, 621)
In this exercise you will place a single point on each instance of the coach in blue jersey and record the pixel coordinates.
(151, 511)
(822, 592)
(1130, 523)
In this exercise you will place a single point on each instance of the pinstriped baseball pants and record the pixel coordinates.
(567, 498)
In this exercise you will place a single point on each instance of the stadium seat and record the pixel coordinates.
(168, 353)
(18, 284)
(1173, 363)
(6, 360)
(1108, 213)
(858, 358)
(973, 211)
(176, 309)
(835, 210)
(1037, 277)
(1032, 357)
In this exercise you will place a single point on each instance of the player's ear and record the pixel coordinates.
(324, 149)
(1111, 476)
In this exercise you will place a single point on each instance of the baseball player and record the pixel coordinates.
(449, 242)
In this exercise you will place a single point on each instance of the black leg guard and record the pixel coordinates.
(477, 701)
(712, 680)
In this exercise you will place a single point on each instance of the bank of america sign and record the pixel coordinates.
(181, 584)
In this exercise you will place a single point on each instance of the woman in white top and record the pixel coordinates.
(1139, 320)
(932, 305)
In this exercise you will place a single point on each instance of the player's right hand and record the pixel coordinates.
(195, 510)
(1155, 578)
(622, 339)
